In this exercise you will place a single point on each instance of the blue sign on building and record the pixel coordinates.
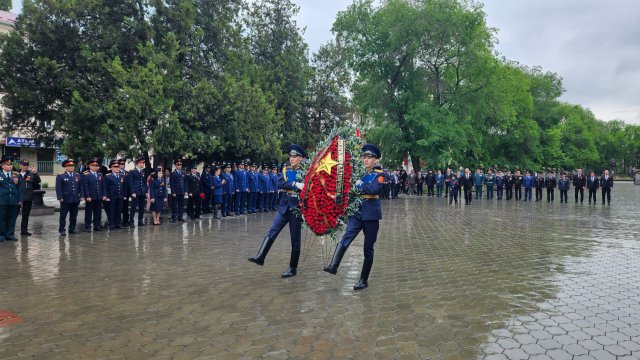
(22, 142)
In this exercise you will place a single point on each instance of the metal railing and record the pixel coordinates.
(46, 167)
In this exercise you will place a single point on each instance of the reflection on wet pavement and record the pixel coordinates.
(494, 280)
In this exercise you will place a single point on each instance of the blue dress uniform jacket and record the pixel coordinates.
(253, 181)
(290, 198)
(178, 183)
(205, 182)
(158, 192)
(478, 179)
(10, 196)
(10, 193)
(68, 187)
(563, 184)
(216, 183)
(137, 182)
(265, 183)
(92, 185)
(241, 180)
(529, 181)
(499, 181)
(372, 184)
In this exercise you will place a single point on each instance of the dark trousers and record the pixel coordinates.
(563, 195)
(370, 229)
(550, 194)
(115, 212)
(509, 193)
(538, 194)
(225, 208)
(439, 190)
(8, 217)
(478, 192)
(206, 203)
(430, 190)
(453, 195)
(138, 204)
(527, 194)
(93, 214)
(446, 189)
(467, 196)
(581, 192)
(194, 205)
(518, 192)
(263, 198)
(241, 201)
(70, 209)
(177, 207)
(25, 211)
(499, 192)
(295, 229)
(253, 201)
(125, 210)
(420, 189)
(592, 194)
(606, 192)
(273, 198)
(489, 192)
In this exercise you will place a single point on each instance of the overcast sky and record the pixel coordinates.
(594, 45)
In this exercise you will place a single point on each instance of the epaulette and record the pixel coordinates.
(85, 172)
(62, 173)
(15, 173)
(378, 170)
(110, 174)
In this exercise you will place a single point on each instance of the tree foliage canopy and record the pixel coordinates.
(231, 79)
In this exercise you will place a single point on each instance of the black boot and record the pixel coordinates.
(332, 268)
(293, 265)
(262, 253)
(364, 276)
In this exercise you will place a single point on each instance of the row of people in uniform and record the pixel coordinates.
(509, 186)
(16, 196)
(122, 194)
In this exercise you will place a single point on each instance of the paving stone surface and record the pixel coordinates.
(494, 280)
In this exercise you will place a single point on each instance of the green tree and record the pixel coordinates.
(283, 70)
(5, 5)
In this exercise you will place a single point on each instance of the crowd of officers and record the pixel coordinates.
(233, 189)
(225, 190)
(505, 184)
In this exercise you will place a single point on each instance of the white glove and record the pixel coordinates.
(358, 183)
(298, 185)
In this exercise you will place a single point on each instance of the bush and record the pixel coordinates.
(45, 185)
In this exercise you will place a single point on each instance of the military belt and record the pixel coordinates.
(366, 196)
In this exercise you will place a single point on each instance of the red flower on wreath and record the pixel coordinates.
(321, 207)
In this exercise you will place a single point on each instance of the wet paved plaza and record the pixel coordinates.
(494, 280)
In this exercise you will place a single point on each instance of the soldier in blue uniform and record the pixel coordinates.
(68, 192)
(217, 186)
(10, 199)
(253, 184)
(242, 187)
(207, 189)
(115, 192)
(93, 193)
(528, 182)
(489, 180)
(291, 183)
(229, 190)
(138, 188)
(194, 192)
(178, 183)
(367, 219)
(273, 185)
(265, 190)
